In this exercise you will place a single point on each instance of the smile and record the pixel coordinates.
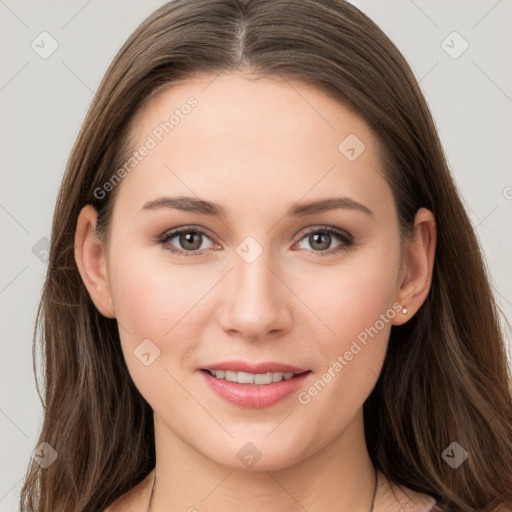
(254, 390)
(251, 378)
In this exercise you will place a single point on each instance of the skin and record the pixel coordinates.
(257, 147)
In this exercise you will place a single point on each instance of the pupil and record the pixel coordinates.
(186, 239)
(317, 238)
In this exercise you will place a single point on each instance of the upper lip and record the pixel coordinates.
(264, 367)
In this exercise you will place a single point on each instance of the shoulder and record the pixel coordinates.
(398, 498)
(135, 500)
(416, 502)
(127, 503)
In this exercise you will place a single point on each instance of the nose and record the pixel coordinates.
(257, 303)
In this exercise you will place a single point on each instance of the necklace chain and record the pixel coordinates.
(154, 483)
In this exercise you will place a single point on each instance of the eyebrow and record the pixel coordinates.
(194, 205)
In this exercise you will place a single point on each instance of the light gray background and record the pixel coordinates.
(43, 103)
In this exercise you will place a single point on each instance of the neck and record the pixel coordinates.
(339, 476)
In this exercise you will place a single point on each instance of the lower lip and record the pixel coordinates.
(255, 396)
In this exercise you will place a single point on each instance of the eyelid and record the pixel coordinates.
(346, 238)
(172, 233)
(314, 229)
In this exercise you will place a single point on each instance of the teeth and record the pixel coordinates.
(251, 378)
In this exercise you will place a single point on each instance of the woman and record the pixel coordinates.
(328, 341)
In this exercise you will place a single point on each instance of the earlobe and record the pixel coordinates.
(420, 256)
(90, 259)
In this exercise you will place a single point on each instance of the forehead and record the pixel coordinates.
(258, 137)
(233, 105)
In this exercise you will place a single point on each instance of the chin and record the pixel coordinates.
(259, 454)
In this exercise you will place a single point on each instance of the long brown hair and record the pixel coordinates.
(445, 378)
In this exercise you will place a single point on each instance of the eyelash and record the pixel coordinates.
(346, 239)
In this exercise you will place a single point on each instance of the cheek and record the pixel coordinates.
(158, 301)
(351, 296)
(152, 297)
(358, 309)
(157, 298)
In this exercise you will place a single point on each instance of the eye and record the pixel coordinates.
(320, 239)
(188, 237)
(190, 240)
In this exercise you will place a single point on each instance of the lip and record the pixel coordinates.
(264, 367)
(254, 396)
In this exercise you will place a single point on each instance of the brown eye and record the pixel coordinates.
(188, 242)
(320, 240)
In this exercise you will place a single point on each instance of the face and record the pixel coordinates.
(266, 281)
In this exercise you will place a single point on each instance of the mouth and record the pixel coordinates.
(257, 388)
(261, 379)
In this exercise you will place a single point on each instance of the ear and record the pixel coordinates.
(416, 277)
(91, 262)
